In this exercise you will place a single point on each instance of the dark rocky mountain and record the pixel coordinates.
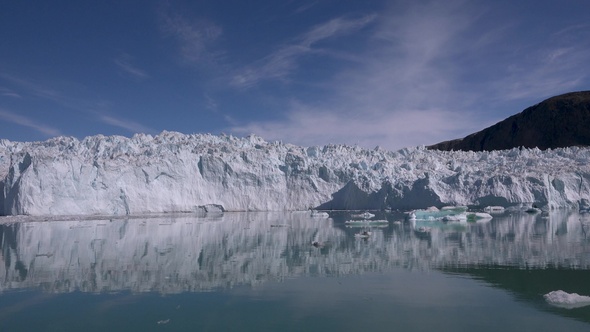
(560, 121)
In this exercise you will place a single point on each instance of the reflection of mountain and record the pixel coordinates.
(185, 253)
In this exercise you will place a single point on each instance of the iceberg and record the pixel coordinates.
(319, 214)
(566, 300)
(174, 172)
(366, 223)
(494, 209)
(433, 213)
(364, 215)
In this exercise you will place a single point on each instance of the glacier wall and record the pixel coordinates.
(173, 172)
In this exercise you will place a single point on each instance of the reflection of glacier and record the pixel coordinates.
(160, 254)
(182, 253)
(520, 240)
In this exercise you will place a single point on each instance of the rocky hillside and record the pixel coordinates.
(560, 121)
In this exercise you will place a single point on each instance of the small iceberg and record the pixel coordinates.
(448, 214)
(433, 213)
(566, 300)
(366, 223)
(475, 216)
(364, 215)
(319, 214)
(532, 210)
(494, 209)
(455, 218)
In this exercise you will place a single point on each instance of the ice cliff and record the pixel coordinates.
(172, 172)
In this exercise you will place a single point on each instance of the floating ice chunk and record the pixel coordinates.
(364, 215)
(452, 208)
(478, 216)
(319, 214)
(366, 223)
(456, 217)
(494, 209)
(434, 213)
(566, 300)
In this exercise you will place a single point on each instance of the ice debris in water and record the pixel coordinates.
(319, 214)
(566, 300)
(448, 213)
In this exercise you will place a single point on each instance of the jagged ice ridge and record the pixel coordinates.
(173, 172)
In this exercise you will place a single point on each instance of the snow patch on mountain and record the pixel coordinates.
(173, 172)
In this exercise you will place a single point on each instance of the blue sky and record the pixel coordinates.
(374, 72)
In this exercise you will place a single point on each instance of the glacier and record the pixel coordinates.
(174, 172)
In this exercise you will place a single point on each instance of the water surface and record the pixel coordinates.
(260, 272)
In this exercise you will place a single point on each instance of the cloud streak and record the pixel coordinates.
(194, 37)
(397, 96)
(546, 70)
(95, 108)
(128, 125)
(9, 93)
(280, 63)
(32, 87)
(26, 122)
(411, 87)
(309, 127)
(124, 62)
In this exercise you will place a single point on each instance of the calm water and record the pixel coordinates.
(259, 272)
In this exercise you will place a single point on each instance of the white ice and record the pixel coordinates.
(566, 300)
(173, 172)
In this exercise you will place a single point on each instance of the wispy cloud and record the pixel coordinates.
(567, 31)
(32, 87)
(279, 64)
(99, 109)
(431, 73)
(9, 93)
(545, 70)
(26, 122)
(128, 125)
(309, 126)
(306, 6)
(210, 103)
(398, 96)
(39, 89)
(193, 36)
(125, 62)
